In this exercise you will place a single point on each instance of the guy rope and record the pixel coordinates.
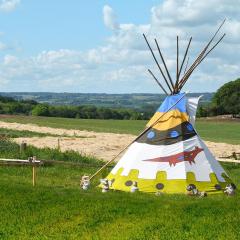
(141, 134)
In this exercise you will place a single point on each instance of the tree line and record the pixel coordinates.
(29, 107)
(225, 101)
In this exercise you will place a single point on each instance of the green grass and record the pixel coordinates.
(10, 149)
(10, 133)
(13, 133)
(97, 125)
(58, 209)
(217, 131)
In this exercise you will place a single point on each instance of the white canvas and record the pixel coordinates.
(192, 104)
(204, 164)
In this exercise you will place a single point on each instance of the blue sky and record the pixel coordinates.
(35, 26)
(97, 46)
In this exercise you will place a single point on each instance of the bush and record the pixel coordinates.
(227, 98)
(40, 110)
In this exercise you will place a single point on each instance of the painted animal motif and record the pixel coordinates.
(187, 156)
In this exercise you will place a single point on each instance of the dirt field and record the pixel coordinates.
(101, 145)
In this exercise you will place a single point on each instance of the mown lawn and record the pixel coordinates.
(10, 133)
(97, 125)
(217, 131)
(58, 209)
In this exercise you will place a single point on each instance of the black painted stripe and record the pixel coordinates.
(179, 133)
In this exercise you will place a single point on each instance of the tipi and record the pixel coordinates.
(169, 156)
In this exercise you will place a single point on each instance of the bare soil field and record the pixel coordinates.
(101, 145)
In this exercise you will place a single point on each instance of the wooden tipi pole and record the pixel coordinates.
(171, 90)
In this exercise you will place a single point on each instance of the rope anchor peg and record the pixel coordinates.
(85, 182)
(106, 185)
(134, 187)
(230, 189)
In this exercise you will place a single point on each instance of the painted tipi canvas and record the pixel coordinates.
(170, 156)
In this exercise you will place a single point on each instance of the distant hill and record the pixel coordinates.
(135, 100)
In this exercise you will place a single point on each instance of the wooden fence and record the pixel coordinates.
(32, 161)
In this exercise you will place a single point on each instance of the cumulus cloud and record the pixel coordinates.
(9, 59)
(190, 12)
(110, 18)
(121, 64)
(198, 19)
(2, 46)
(8, 5)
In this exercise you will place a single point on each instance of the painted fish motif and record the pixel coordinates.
(188, 156)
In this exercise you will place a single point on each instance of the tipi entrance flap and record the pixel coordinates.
(192, 104)
(214, 164)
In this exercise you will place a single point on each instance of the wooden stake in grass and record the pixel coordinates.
(58, 146)
(23, 146)
(33, 162)
(33, 175)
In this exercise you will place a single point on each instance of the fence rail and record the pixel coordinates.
(34, 163)
(83, 164)
(20, 160)
(228, 160)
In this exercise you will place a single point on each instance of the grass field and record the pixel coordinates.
(10, 133)
(216, 131)
(58, 209)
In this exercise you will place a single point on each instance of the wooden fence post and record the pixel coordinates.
(32, 160)
(58, 146)
(33, 175)
(23, 146)
(34, 171)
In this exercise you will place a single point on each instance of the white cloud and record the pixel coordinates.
(194, 13)
(121, 64)
(3, 81)
(2, 46)
(199, 19)
(8, 5)
(110, 18)
(9, 59)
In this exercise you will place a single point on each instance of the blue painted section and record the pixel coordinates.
(181, 158)
(174, 134)
(151, 135)
(189, 127)
(171, 100)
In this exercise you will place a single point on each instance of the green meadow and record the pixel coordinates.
(211, 130)
(10, 133)
(56, 208)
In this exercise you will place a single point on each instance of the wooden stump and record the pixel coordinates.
(23, 147)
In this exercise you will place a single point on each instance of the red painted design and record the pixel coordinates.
(177, 158)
